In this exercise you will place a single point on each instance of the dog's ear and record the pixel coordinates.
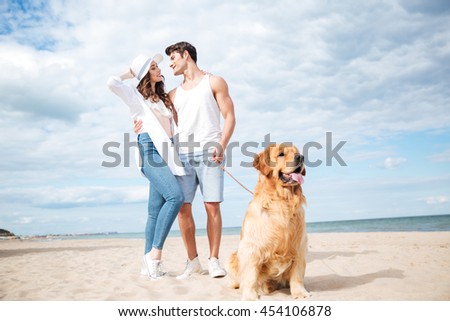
(262, 162)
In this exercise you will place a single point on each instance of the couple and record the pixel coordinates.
(192, 111)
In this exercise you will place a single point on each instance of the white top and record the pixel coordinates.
(198, 115)
(133, 98)
(156, 121)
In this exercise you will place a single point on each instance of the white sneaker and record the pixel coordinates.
(193, 266)
(214, 268)
(154, 271)
(144, 270)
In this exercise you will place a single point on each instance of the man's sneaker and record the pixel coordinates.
(193, 266)
(153, 268)
(215, 270)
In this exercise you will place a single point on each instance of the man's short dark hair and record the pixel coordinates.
(180, 47)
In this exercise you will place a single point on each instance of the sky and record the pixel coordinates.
(366, 85)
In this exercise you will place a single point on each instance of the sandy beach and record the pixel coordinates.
(341, 266)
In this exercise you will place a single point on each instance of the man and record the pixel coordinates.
(199, 102)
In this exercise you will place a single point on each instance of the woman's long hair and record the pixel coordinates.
(145, 88)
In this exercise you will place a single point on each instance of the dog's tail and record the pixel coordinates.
(233, 270)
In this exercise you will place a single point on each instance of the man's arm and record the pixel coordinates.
(226, 106)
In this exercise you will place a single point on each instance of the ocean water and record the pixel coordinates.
(396, 224)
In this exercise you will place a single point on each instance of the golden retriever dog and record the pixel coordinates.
(273, 243)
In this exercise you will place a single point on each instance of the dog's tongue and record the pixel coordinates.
(297, 177)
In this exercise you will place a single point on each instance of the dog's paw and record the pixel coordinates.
(300, 293)
(249, 296)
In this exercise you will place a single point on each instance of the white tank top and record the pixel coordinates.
(198, 115)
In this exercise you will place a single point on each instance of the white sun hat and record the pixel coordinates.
(141, 64)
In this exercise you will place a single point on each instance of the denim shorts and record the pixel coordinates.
(201, 171)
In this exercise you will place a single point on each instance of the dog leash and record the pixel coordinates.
(229, 174)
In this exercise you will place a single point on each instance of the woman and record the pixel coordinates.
(150, 103)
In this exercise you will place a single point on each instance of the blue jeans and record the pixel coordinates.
(165, 195)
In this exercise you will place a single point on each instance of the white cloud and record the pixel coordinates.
(33, 78)
(70, 197)
(25, 220)
(443, 157)
(431, 200)
(390, 162)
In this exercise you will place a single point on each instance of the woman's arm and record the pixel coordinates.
(125, 92)
(127, 75)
